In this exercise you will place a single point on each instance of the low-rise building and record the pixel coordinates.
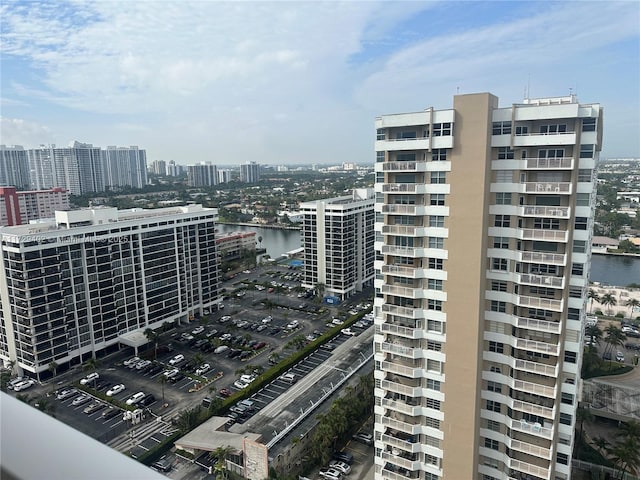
(18, 208)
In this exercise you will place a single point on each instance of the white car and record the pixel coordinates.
(337, 321)
(268, 319)
(23, 385)
(115, 390)
(171, 373)
(66, 393)
(292, 325)
(239, 384)
(131, 361)
(92, 377)
(142, 364)
(221, 349)
(341, 466)
(177, 359)
(135, 398)
(84, 398)
(331, 473)
(197, 330)
(225, 319)
(203, 369)
(348, 331)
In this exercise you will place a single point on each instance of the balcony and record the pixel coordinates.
(404, 187)
(401, 209)
(532, 429)
(538, 302)
(538, 325)
(528, 468)
(404, 167)
(396, 349)
(408, 292)
(405, 445)
(401, 462)
(539, 257)
(541, 280)
(544, 235)
(539, 347)
(408, 312)
(533, 388)
(413, 252)
(548, 187)
(405, 371)
(544, 139)
(547, 212)
(411, 410)
(388, 474)
(402, 271)
(532, 409)
(535, 367)
(560, 163)
(402, 331)
(390, 386)
(401, 426)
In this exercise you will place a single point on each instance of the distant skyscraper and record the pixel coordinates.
(250, 172)
(483, 239)
(203, 175)
(174, 170)
(224, 176)
(17, 208)
(124, 167)
(159, 167)
(14, 167)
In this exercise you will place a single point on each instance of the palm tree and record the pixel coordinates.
(188, 419)
(593, 295)
(162, 380)
(45, 405)
(615, 338)
(583, 414)
(630, 429)
(152, 336)
(53, 368)
(601, 444)
(632, 303)
(626, 457)
(594, 333)
(608, 300)
(24, 397)
(92, 364)
(220, 467)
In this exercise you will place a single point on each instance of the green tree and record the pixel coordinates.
(92, 365)
(583, 415)
(53, 368)
(220, 466)
(608, 300)
(188, 419)
(592, 295)
(614, 338)
(601, 444)
(594, 333)
(45, 405)
(162, 380)
(632, 303)
(152, 337)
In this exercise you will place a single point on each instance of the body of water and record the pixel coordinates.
(615, 270)
(275, 241)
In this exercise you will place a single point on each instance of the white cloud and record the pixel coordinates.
(17, 131)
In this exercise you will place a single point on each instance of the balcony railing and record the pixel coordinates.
(560, 163)
(534, 388)
(408, 312)
(544, 235)
(401, 426)
(538, 325)
(400, 229)
(401, 462)
(542, 280)
(408, 292)
(403, 370)
(549, 212)
(535, 367)
(532, 428)
(400, 407)
(401, 350)
(402, 209)
(534, 346)
(404, 251)
(547, 187)
(399, 388)
(530, 449)
(401, 444)
(409, 272)
(387, 474)
(538, 302)
(404, 188)
(539, 257)
(404, 166)
(407, 332)
(529, 468)
(532, 409)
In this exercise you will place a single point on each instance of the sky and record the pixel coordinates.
(298, 82)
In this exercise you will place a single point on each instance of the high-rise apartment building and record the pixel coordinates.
(483, 225)
(20, 207)
(337, 238)
(203, 175)
(159, 167)
(14, 167)
(250, 172)
(124, 167)
(96, 278)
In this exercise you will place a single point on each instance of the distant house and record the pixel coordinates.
(601, 244)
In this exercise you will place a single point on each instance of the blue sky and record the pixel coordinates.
(298, 82)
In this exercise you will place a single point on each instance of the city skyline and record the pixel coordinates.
(280, 83)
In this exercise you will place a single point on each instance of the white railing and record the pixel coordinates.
(399, 388)
(532, 428)
(399, 229)
(538, 302)
(408, 312)
(545, 235)
(396, 476)
(539, 257)
(534, 450)
(399, 187)
(534, 388)
(400, 350)
(399, 406)
(396, 250)
(563, 163)
(554, 212)
(403, 209)
(538, 410)
(402, 462)
(402, 444)
(399, 369)
(399, 425)
(540, 347)
(547, 187)
(410, 272)
(408, 332)
(535, 367)
(539, 325)
(529, 468)
(404, 166)
(542, 280)
(403, 291)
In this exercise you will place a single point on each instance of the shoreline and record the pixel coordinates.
(617, 254)
(258, 225)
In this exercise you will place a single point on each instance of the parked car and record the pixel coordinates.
(110, 413)
(115, 390)
(177, 359)
(224, 319)
(619, 357)
(330, 473)
(242, 324)
(202, 369)
(66, 393)
(198, 330)
(293, 324)
(143, 364)
(267, 319)
(146, 401)
(94, 407)
(289, 378)
(135, 398)
(171, 373)
(177, 377)
(224, 392)
(162, 465)
(365, 438)
(92, 377)
(131, 361)
(349, 332)
(84, 398)
(343, 456)
(343, 467)
(221, 349)
(24, 384)
(259, 345)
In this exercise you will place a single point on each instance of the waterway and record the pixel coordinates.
(606, 269)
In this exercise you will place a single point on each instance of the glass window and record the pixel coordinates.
(579, 246)
(380, 134)
(502, 221)
(442, 129)
(436, 242)
(500, 264)
(501, 128)
(494, 406)
(436, 263)
(577, 269)
(496, 347)
(583, 199)
(433, 384)
(497, 306)
(581, 223)
(439, 155)
(503, 198)
(494, 387)
(434, 305)
(500, 242)
(585, 174)
(566, 398)
(379, 157)
(436, 199)
(438, 177)
(569, 357)
(522, 130)
(498, 286)
(492, 444)
(505, 153)
(588, 124)
(434, 284)
(566, 419)
(562, 458)
(436, 221)
(586, 151)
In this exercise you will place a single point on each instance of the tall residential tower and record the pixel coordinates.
(483, 225)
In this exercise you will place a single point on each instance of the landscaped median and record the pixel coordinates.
(104, 397)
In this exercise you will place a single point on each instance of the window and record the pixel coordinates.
(588, 124)
(431, 403)
(577, 269)
(500, 242)
(495, 369)
(406, 157)
(546, 223)
(441, 129)
(569, 357)
(565, 418)
(553, 129)
(436, 242)
(497, 286)
(522, 130)
(492, 444)
(432, 422)
(431, 460)
(497, 306)
(436, 221)
(493, 425)
(583, 199)
(573, 314)
(586, 151)
(551, 153)
(582, 223)
(435, 346)
(496, 347)
(575, 292)
(431, 476)
(380, 134)
(505, 153)
(562, 458)
(585, 174)
(504, 176)
(379, 157)
(494, 387)
(579, 246)
(566, 398)
(439, 155)
(501, 128)
(494, 406)
(433, 284)
(436, 263)
(407, 134)
(502, 221)
(503, 198)
(434, 305)
(500, 264)
(438, 177)
(436, 199)
(434, 326)
(434, 366)
(433, 384)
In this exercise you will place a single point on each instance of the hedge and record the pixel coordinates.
(159, 450)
